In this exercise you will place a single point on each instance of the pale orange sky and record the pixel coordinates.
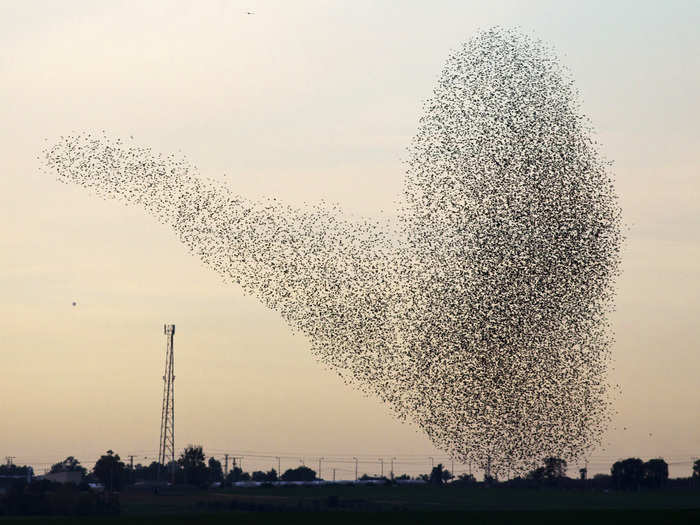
(302, 101)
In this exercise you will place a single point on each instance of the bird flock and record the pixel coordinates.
(481, 313)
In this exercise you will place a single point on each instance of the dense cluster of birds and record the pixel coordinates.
(480, 314)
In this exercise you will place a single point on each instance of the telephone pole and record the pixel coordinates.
(131, 467)
(225, 466)
(166, 446)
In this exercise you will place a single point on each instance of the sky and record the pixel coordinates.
(305, 101)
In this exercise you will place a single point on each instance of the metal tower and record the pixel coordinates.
(166, 446)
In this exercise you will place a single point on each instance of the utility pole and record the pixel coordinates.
(392, 468)
(9, 460)
(355, 467)
(225, 466)
(131, 467)
(166, 446)
(333, 475)
(381, 461)
(432, 463)
(279, 470)
(319, 468)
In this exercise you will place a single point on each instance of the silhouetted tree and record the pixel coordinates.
(696, 469)
(299, 474)
(436, 475)
(193, 466)
(537, 475)
(271, 475)
(14, 470)
(259, 475)
(215, 471)
(655, 473)
(447, 475)
(552, 471)
(554, 468)
(153, 472)
(110, 470)
(602, 481)
(628, 474)
(70, 464)
(583, 473)
(464, 479)
(237, 474)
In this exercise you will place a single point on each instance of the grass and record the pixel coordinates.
(380, 498)
(410, 504)
(597, 517)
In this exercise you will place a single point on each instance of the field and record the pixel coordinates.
(349, 504)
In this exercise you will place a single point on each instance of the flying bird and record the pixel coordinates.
(481, 313)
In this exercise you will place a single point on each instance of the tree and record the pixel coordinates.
(271, 475)
(447, 475)
(15, 471)
(110, 470)
(237, 474)
(537, 475)
(70, 464)
(436, 475)
(554, 468)
(696, 469)
(259, 475)
(583, 473)
(655, 472)
(628, 474)
(299, 474)
(193, 466)
(192, 457)
(465, 479)
(215, 471)
(153, 472)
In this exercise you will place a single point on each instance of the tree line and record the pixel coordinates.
(193, 468)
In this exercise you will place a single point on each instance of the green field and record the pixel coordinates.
(600, 517)
(381, 498)
(397, 504)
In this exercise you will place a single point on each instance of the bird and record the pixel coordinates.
(481, 312)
